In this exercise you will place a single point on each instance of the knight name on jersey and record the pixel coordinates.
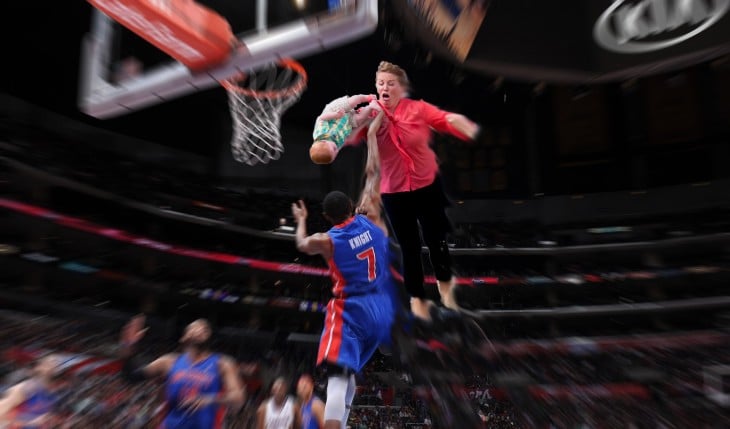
(360, 240)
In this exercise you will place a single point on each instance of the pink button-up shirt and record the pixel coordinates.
(407, 161)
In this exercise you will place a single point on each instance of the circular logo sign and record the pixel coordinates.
(635, 27)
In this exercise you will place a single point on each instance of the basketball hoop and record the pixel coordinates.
(257, 100)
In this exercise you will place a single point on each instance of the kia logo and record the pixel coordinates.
(634, 27)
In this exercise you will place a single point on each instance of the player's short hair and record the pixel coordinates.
(280, 380)
(387, 67)
(337, 206)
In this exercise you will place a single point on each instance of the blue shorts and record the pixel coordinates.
(354, 327)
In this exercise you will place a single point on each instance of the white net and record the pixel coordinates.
(257, 101)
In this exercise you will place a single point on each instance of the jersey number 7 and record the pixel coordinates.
(369, 255)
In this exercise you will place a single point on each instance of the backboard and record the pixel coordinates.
(268, 30)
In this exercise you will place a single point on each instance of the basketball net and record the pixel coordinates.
(257, 100)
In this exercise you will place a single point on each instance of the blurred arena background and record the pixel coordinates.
(592, 217)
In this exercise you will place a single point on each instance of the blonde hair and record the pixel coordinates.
(394, 69)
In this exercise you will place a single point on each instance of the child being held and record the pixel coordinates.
(336, 122)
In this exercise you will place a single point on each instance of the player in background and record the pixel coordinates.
(30, 403)
(280, 411)
(312, 408)
(200, 384)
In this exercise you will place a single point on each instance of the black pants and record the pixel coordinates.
(424, 207)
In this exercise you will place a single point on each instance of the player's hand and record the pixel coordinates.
(377, 120)
(363, 209)
(299, 211)
(375, 108)
(133, 331)
(365, 206)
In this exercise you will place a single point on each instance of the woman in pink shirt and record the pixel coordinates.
(411, 189)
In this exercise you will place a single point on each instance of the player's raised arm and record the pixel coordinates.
(132, 370)
(315, 244)
(370, 200)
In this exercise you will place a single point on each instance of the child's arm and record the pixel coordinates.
(359, 99)
(337, 108)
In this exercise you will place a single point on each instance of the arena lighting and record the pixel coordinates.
(610, 229)
(39, 257)
(300, 4)
(680, 233)
(8, 249)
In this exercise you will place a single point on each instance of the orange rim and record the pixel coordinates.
(288, 63)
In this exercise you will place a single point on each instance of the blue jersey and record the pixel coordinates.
(308, 419)
(360, 315)
(188, 380)
(38, 402)
(360, 261)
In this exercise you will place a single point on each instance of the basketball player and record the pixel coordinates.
(361, 312)
(30, 403)
(279, 411)
(312, 408)
(200, 384)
